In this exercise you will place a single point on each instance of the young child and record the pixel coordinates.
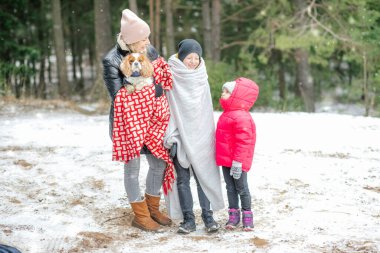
(191, 137)
(235, 145)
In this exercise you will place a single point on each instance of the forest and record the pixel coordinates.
(314, 180)
(300, 52)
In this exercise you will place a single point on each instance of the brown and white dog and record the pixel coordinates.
(138, 71)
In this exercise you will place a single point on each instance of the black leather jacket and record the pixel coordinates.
(113, 77)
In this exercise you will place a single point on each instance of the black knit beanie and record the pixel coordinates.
(188, 46)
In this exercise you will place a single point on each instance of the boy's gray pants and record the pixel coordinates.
(154, 178)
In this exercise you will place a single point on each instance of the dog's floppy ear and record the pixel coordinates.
(125, 66)
(146, 66)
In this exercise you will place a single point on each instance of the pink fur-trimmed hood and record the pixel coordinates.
(243, 96)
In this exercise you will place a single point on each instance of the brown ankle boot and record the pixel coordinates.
(153, 203)
(142, 218)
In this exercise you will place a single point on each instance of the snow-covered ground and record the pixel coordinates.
(315, 185)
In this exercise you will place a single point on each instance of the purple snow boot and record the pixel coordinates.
(247, 221)
(234, 218)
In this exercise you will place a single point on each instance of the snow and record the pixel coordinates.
(315, 187)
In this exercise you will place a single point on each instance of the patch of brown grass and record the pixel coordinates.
(101, 107)
(95, 239)
(76, 202)
(370, 188)
(163, 239)
(200, 238)
(259, 243)
(98, 184)
(15, 201)
(354, 246)
(332, 155)
(24, 164)
(14, 148)
(117, 217)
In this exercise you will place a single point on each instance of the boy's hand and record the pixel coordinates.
(236, 170)
(173, 150)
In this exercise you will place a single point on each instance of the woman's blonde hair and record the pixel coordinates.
(132, 47)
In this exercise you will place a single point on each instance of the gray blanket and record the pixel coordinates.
(192, 127)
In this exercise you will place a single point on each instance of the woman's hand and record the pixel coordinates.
(158, 90)
(152, 53)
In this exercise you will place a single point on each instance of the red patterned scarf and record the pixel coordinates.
(162, 73)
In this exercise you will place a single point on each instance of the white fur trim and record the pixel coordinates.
(121, 43)
(139, 82)
(230, 86)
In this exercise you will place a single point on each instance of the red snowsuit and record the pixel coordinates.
(236, 130)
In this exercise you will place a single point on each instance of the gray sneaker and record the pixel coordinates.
(186, 227)
(211, 225)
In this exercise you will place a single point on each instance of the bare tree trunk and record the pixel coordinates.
(17, 86)
(34, 84)
(103, 42)
(73, 38)
(275, 60)
(41, 88)
(304, 79)
(365, 86)
(49, 70)
(91, 59)
(80, 84)
(27, 87)
(281, 81)
(158, 25)
(303, 75)
(74, 59)
(151, 18)
(216, 12)
(63, 86)
(206, 20)
(133, 6)
(169, 28)
(281, 75)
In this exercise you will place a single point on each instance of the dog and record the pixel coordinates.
(138, 71)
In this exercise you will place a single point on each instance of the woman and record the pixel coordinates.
(135, 131)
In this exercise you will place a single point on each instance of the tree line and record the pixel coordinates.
(298, 51)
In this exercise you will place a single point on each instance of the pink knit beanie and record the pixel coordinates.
(133, 28)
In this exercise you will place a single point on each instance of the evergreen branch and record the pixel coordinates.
(237, 43)
(336, 36)
(237, 14)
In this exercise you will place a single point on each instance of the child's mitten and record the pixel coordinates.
(236, 170)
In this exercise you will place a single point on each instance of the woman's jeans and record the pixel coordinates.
(154, 178)
(184, 192)
(236, 188)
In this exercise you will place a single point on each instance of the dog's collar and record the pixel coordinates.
(135, 74)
